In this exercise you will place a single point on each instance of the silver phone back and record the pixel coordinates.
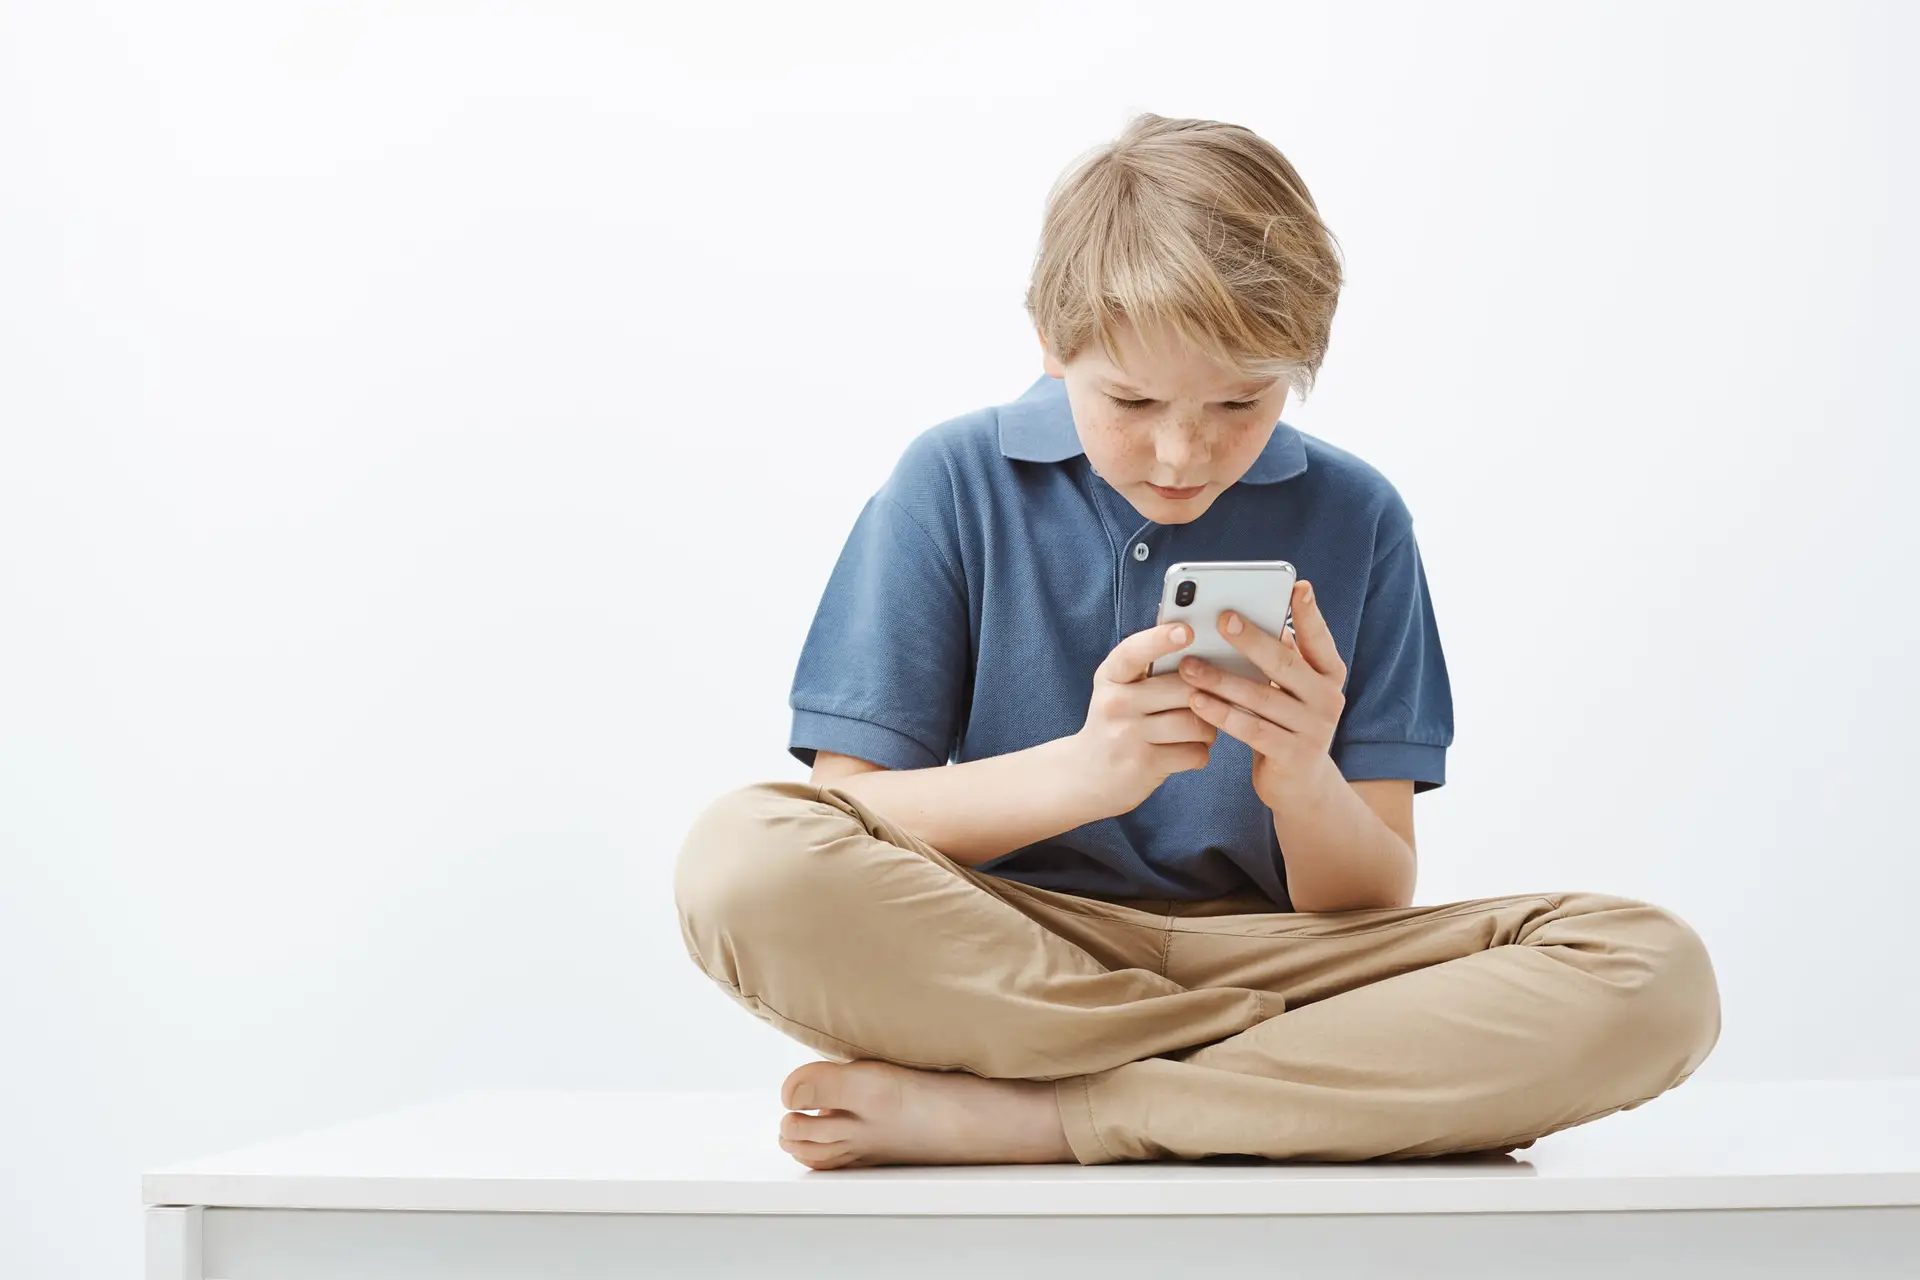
(1261, 591)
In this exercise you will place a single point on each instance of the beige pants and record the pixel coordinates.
(1189, 1029)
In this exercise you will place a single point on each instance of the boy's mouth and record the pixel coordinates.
(1177, 495)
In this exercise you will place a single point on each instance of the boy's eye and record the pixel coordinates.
(1236, 406)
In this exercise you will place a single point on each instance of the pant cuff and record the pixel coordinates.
(1073, 1095)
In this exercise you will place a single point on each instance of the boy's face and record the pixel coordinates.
(1187, 429)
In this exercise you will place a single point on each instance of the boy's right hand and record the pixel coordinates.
(1140, 729)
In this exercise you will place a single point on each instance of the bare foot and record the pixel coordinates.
(878, 1113)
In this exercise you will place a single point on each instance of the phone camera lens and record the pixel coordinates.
(1183, 594)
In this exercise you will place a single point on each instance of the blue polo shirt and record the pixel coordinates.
(994, 571)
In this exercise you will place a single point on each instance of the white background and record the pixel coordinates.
(380, 382)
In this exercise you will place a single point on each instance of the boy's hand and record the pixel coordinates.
(1293, 718)
(1140, 728)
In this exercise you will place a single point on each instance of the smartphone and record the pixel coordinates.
(1195, 592)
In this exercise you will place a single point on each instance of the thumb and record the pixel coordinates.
(1311, 633)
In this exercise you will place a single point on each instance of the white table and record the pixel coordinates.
(1749, 1180)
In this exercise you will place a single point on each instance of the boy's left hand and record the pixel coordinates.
(1294, 716)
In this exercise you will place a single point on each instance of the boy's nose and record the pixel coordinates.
(1177, 448)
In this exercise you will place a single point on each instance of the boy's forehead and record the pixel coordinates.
(1172, 367)
(1169, 379)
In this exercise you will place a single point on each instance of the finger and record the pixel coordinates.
(1262, 648)
(1257, 696)
(1155, 693)
(1298, 676)
(1257, 732)
(1131, 657)
(1183, 725)
(1314, 636)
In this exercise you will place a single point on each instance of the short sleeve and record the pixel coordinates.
(884, 666)
(1398, 719)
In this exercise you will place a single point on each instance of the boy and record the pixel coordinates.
(1036, 906)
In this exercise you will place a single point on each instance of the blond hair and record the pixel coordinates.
(1197, 224)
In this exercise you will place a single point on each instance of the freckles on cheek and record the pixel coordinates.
(1125, 453)
(1111, 452)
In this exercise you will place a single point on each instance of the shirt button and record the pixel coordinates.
(1140, 551)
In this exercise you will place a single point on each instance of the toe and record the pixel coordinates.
(847, 1161)
(797, 1126)
(819, 1155)
(813, 1086)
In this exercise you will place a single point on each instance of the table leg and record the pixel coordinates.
(173, 1242)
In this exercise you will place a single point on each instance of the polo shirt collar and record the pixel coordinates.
(1038, 427)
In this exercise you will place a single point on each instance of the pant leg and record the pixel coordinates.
(1414, 1032)
(860, 940)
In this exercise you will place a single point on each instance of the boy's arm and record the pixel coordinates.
(976, 811)
(1344, 849)
(1138, 733)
